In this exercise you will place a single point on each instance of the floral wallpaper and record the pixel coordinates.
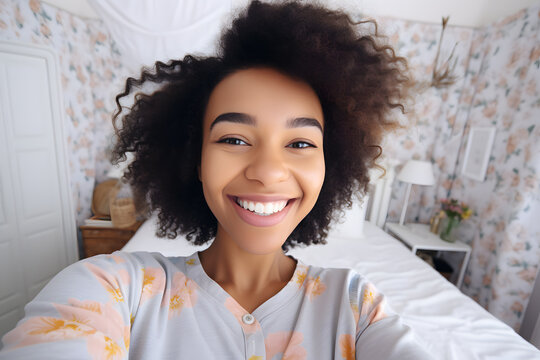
(89, 84)
(505, 238)
(498, 85)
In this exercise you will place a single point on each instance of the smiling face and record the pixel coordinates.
(262, 162)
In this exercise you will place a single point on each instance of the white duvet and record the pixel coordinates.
(448, 323)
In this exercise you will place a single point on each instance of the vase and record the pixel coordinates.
(448, 228)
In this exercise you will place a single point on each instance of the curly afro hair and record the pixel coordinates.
(358, 79)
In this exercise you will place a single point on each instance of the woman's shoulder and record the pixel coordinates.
(344, 281)
(127, 269)
(343, 276)
(135, 260)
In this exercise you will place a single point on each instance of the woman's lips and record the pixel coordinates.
(261, 220)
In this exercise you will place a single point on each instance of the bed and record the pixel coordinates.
(448, 323)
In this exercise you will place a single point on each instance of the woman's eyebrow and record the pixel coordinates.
(303, 121)
(242, 118)
(234, 118)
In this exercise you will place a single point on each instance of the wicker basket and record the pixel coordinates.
(122, 212)
(102, 197)
(122, 209)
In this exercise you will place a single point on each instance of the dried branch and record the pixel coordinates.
(444, 76)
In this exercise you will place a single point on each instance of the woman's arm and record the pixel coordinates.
(380, 333)
(84, 312)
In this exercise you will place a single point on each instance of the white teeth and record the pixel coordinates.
(263, 209)
(268, 208)
(259, 207)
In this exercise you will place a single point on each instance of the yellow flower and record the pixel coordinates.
(148, 280)
(176, 302)
(112, 349)
(466, 214)
(368, 297)
(116, 294)
(300, 277)
(314, 287)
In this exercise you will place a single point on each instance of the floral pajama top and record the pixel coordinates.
(148, 306)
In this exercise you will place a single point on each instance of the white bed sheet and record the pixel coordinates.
(448, 323)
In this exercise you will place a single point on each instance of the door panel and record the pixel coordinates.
(37, 223)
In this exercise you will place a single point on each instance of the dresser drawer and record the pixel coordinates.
(94, 246)
(101, 240)
(107, 233)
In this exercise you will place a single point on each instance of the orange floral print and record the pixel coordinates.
(373, 304)
(182, 294)
(100, 325)
(286, 343)
(35, 6)
(124, 276)
(108, 281)
(102, 317)
(44, 329)
(314, 287)
(127, 336)
(300, 275)
(117, 259)
(356, 313)
(300, 278)
(153, 283)
(347, 347)
(368, 296)
(103, 347)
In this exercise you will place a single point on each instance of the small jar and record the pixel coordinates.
(435, 222)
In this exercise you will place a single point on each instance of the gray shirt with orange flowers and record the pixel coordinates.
(147, 306)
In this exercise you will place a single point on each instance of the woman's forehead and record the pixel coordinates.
(263, 92)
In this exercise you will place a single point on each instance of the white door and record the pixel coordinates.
(37, 222)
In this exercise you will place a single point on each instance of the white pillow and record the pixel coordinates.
(352, 224)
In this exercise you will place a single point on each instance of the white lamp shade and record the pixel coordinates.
(417, 172)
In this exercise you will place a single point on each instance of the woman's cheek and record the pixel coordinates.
(311, 173)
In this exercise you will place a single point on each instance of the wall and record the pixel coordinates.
(89, 84)
(499, 86)
(504, 92)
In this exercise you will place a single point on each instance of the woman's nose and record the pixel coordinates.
(268, 167)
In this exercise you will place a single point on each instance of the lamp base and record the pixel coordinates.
(404, 210)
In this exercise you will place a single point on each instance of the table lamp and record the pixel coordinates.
(415, 172)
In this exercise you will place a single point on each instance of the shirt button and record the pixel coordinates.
(248, 319)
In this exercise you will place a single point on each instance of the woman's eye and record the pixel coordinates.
(232, 141)
(300, 145)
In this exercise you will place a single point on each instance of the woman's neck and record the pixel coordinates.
(249, 278)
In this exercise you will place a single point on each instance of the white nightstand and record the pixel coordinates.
(418, 237)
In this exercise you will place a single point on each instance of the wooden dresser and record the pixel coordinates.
(105, 240)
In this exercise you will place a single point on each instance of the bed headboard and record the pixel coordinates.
(374, 206)
(380, 192)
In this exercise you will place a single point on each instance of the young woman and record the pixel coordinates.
(256, 149)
